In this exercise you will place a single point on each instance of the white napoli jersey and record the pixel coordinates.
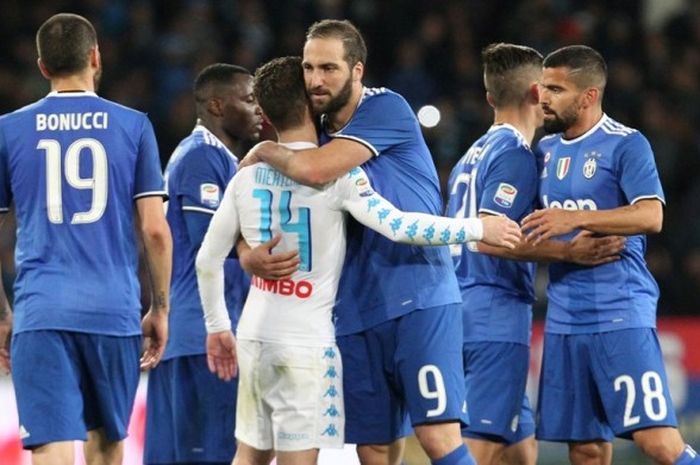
(260, 203)
(298, 309)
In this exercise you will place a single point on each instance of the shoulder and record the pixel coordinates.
(123, 109)
(623, 138)
(546, 141)
(24, 112)
(382, 100)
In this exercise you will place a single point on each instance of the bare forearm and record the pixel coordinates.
(644, 217)
(547, 251)
(159, 250)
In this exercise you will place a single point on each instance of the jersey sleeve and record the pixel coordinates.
(355, 194)
(218, 241)
(203, 181)
(639, 179)
(380, 122)
(149, 175)
(5, 186)
(509, 184)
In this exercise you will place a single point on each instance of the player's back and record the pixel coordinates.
(497, 176)
(74, 163)
(296, 310)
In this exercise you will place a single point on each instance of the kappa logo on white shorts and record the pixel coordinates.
(209, 194)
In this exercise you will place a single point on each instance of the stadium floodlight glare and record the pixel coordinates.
(429, 116)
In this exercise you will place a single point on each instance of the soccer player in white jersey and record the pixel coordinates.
(81, 171)
(290, 389)
(602, 371)
(197, 175)
(398, 311)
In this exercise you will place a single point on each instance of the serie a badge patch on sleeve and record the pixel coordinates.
(209, 195)
(505, 195)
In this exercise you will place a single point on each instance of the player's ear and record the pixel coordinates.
(95, 57)
(215, 106)
(534, 93)
(590, 97)
(489, 99)
(358, 71)
(42, 68)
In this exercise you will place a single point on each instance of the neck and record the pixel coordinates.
(79, 82)
(341, 117)
(523, 118)
(587, 119)
(305, 133)
(215, 129)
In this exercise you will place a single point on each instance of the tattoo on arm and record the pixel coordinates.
(159, 301)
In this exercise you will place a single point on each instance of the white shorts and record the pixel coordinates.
(290, 398)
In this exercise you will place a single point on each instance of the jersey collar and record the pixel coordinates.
(518, 134)
(76, 93)
(600, 122)
(208, 134)
(300, 145)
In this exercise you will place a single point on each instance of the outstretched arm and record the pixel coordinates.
(376, 212)
(642, 217)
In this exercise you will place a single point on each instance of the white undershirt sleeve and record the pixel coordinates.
(374, 211)
(216, 246)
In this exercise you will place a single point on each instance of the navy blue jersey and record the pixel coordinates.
(497, 176)
(73, 164)
(382, 280)
(196, 176)
(609, 166)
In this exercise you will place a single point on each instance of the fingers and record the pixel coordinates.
(152, 354)
(608, 259)
(224, 367)
(269, 245)
(511, 235)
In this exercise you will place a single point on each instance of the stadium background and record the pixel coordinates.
(429, 52)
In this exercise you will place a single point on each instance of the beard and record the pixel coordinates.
(560, 123)
(334, 104)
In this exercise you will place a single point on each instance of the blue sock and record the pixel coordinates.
(688, 457)
(459, 456)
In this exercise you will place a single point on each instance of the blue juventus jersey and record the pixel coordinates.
(497, 176)
(609, 166)
(196, 176)
(73, 164)
(382, 280)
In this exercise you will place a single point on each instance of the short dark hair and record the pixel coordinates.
(509, 70)
(64, 42)
(587, 67)
(206, 82)
(279, 88)
(353, 43)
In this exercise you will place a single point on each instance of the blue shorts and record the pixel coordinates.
(68, 383)
(495, 375)
(411, 364)
(597, 386)
(190, 413)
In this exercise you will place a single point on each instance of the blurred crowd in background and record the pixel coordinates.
(427, 51)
